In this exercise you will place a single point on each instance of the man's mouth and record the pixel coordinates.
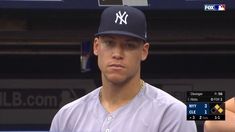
(116, 66)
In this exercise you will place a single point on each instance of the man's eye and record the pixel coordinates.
(109, 43)
(131, 45)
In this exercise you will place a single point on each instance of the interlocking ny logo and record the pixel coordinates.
(121, 17)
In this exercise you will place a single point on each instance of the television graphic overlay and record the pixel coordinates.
(214, 7)
(205, 105)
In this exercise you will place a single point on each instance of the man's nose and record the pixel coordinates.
(118, 52)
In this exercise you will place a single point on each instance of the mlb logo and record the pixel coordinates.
(221, 7)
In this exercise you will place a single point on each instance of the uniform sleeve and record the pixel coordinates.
(175, 120)
(55, 124)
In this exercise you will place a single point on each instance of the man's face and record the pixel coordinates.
(119, 57)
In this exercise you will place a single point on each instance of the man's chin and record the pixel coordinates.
(116, 79)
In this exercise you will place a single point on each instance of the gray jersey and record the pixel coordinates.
(151, 110)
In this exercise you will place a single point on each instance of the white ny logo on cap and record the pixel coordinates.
(121, 17)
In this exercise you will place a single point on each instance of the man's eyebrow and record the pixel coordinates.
(134, 40)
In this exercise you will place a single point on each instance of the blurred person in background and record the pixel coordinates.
(228, 125)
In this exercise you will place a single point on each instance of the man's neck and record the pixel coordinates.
(113, 96)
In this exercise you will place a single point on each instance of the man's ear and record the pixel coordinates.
(145, 51)
(95, 46)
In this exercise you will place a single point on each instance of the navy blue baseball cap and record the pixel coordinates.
(123, 20)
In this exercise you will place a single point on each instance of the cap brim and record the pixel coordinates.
(120, 33)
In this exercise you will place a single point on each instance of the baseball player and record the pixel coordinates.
(124, 102)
